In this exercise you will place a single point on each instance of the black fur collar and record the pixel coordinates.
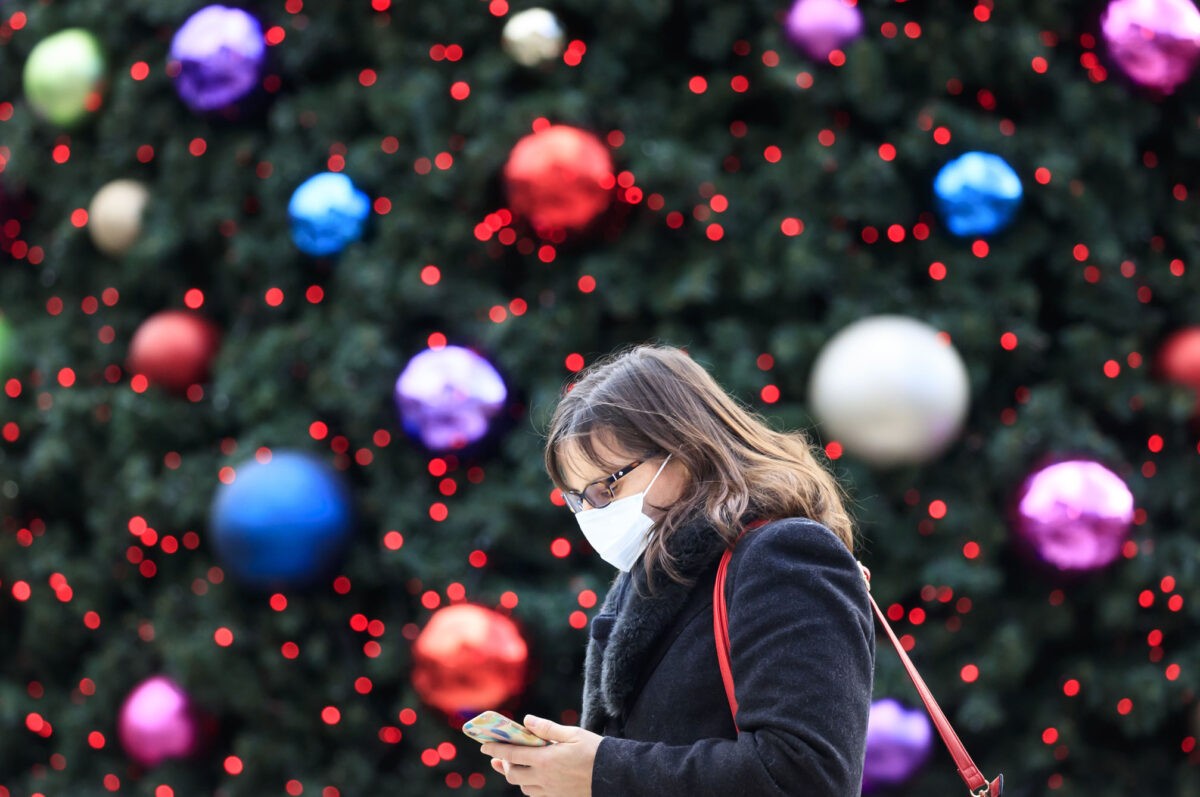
(611, 674)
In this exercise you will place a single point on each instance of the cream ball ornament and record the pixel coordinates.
(533, 37)
(890, 389)
(115, 216)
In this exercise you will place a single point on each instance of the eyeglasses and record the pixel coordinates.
(597, 494)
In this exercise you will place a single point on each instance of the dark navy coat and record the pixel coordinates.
(803, 655)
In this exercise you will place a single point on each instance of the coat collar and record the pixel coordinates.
(613, 671)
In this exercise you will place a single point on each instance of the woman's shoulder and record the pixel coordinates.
(794, 542)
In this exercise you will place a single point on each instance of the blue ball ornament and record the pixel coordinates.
(327, 213)
(978, 194)
(282, 523)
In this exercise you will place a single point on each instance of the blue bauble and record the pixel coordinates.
(978, 194)
(327, 213)
(283, 523)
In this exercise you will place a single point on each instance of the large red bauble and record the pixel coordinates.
(469, 658)
(1179, 359)
(559, 178)
(173, 349)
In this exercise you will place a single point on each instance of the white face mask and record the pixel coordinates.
(620, 531)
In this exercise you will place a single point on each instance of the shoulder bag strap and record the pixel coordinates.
(976, 782)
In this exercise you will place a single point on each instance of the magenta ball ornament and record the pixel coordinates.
(899, 741)
(158, 722)
(1073, 516)
(1156, 43)
(818, 27)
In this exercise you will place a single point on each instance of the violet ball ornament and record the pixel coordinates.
(217, 58)
(899, 742)
(818, 27)
(890, 389)
(1073, 516)
(449, 398)
(1156, 43)
(533, 37)
(158, 722)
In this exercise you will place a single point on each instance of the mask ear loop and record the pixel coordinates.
(656, 475)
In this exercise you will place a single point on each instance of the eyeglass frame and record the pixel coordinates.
(575, 499)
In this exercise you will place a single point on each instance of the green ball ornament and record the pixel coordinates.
(64, 76)
(8, 349)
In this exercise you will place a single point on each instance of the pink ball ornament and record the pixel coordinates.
(157, 722)
(1156, 43)
(818, 27)
(1179, 360)
(1073, 516)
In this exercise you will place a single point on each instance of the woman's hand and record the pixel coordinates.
(562, 769)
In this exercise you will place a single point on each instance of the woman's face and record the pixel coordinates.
(666, 490)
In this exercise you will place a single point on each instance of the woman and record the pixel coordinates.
(664, 472)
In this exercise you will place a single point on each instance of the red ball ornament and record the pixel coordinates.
(559, 178)
(1179, 359)
(174, 349)
(469, 658)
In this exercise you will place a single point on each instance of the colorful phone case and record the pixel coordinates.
(491, 726)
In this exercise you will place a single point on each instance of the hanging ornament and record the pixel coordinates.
(327, 214)
(1156, 43)
(1179, 360)
(899, 742)
(449, 398)
(174, 349)
(533, 37)
(216, 58)
(1074, 516)
(64, 76)
(559, 179)
(158, 722)
(890, 389)
(818, 27)
(978, 194)
(469, 658)
(115, 216)
(282, 522)
(8, 349)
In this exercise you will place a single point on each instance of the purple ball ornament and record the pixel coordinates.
(818, 27)
(217, 58)
(1156, 43)
(158, 722)
(1073, 516)
(449, 398)
(898, 744)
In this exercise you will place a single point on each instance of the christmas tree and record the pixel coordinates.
(722, 176)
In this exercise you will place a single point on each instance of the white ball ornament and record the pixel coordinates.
(890, 390)
(115, 216)
(533, 37)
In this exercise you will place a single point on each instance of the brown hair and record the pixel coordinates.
(654, 400)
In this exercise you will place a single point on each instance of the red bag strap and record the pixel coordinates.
(976, 782)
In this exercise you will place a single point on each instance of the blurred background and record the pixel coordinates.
(288, 291)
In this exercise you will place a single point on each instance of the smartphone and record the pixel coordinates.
(492, 726)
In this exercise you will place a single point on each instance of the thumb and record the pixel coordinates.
(550, 731)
